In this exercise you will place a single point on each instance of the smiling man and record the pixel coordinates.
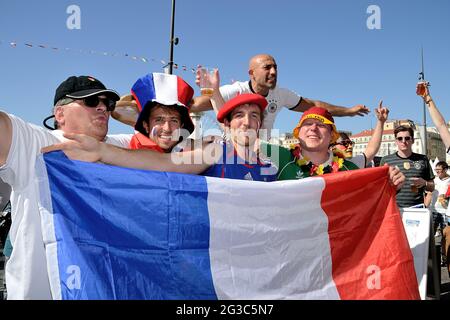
(242, 117)
(263, 74)
(235, 158)
(316, 131)
(163, 100)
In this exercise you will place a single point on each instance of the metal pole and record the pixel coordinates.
(424, 113)
(172, 39)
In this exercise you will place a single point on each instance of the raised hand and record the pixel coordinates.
(126, 111)
(215, 80)
(382, 112)
(358, 110)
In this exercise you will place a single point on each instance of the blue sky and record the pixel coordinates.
(323, 48)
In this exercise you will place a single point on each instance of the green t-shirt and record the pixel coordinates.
(288, 168)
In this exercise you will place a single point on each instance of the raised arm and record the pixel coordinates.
(374, 144)
(358, 110)
(200, 104)
(85, 148)
(6, 136)
(437, 118)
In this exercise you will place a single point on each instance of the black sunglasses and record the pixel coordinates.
(345, 143)
(403, 138)
(92, 102)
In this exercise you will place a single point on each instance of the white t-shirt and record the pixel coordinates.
(26, 270)
(359, 160)
(277, 99)
(440, 187)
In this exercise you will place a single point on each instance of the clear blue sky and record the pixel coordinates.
(323, 48)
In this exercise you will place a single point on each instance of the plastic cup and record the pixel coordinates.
(206, 87)
(420, 89)
(414, 188)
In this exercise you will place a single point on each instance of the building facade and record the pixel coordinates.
(435, 146)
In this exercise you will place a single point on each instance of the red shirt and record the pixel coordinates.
(139, 141)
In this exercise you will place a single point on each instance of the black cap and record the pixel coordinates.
(82, 87)
(79, 88)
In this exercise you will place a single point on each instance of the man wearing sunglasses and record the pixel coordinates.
(81, 105)
(416, 168)
(344, 146)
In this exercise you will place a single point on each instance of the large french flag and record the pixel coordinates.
(117, 233)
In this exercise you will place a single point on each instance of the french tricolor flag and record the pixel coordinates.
(117, 233)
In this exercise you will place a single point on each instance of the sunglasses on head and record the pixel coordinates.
(403, 138)
(93, 102)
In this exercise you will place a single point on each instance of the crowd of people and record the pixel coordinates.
(82, 108)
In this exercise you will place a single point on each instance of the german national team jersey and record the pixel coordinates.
(416, 165)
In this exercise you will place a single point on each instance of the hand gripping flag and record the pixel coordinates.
(117, 233)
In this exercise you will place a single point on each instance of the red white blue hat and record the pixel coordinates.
(165, 89)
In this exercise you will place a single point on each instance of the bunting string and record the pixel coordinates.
(14, 44)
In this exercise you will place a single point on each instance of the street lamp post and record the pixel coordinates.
(425, 142)
(173, 40)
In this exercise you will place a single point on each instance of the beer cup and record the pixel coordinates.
(206, 87)
(414, 187)
(420, 89)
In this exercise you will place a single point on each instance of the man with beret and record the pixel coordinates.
(242, 117)
(82, 105)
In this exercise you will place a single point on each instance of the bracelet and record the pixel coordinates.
(428, 101)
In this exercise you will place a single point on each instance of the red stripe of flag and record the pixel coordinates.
(371, 258)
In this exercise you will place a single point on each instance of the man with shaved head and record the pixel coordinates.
(263, 80)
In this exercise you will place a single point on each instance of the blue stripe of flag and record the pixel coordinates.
(129, 234)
